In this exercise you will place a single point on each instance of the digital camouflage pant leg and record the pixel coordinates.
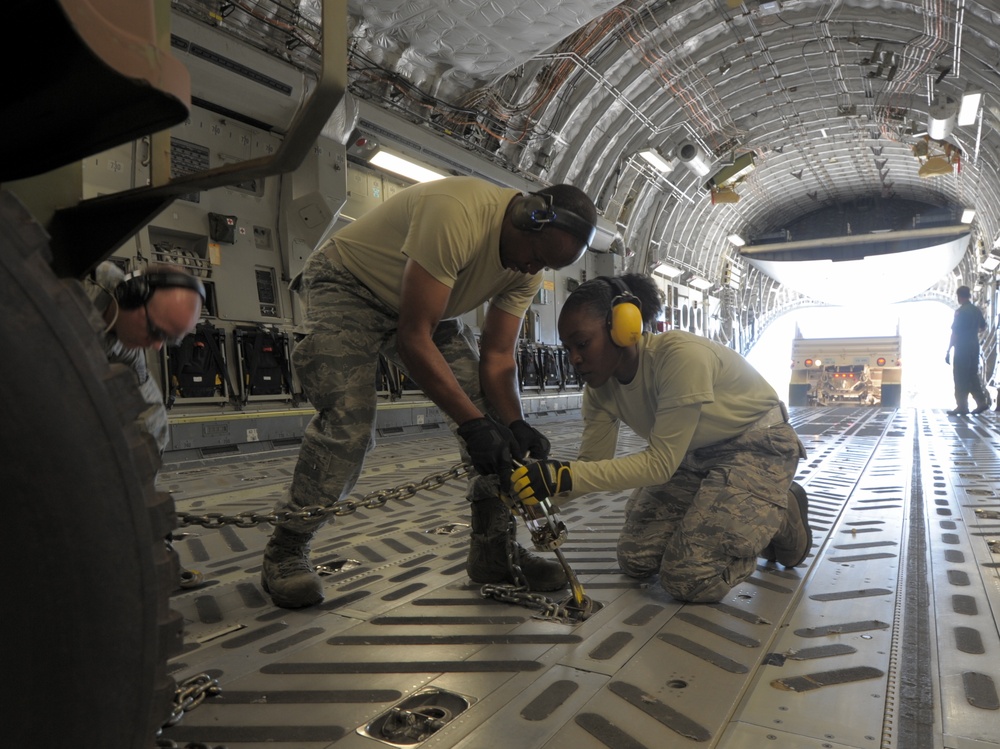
(704, 529)
(336, 363)
(652, 514)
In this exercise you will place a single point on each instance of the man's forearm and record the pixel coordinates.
(498, 379)
(431, 372)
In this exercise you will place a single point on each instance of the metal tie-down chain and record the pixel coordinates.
(517, 593)
(372, 500)
(192, 692)
(573, 610)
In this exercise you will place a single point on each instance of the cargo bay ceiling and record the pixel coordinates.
(774, 120)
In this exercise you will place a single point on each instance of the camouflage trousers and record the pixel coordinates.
(703, 530)
(337, 362)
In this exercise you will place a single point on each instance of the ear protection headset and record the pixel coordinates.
(138, 287)
(534, 211)
(625, 315)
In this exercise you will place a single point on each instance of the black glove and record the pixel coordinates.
(490, 444)
(531, 442)
(541, 480)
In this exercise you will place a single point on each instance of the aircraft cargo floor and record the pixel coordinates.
(886, 637)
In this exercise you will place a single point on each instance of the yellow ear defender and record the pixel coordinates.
(625, 315)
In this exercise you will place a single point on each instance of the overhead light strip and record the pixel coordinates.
(656, 160)
(404, 167)
(969, 109)
(665, 269)
(990, 263)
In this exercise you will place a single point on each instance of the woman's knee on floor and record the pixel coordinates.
(637, 567)
(639, 559)
(696, 573)
(692, 587)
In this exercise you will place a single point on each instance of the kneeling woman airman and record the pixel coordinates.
(713, 487)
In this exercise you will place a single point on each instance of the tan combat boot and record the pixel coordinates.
(287, 574)
(491, 526)
(793, 541)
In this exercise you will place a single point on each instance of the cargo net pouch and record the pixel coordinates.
(264, 362)
(196, 367)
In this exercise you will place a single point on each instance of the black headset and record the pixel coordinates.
(625, 314)
(137, 287)
(534, 211)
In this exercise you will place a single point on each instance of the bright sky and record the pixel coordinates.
(924, 326)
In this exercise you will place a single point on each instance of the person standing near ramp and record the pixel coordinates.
(968, 324)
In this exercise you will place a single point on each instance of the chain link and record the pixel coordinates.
(546, 607)
(193, 691)
(189, 694)
(519, 593)
(372, 500)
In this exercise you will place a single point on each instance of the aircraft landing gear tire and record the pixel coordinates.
(87, 624)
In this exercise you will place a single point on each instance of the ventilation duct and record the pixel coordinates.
(691, 156)
(941, 117)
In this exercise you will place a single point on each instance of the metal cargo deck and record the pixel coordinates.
(886, 637)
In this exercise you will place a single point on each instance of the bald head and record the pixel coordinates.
(168, 314)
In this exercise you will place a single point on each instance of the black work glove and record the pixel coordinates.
(541, 480)
(532, 443)
(491, 445)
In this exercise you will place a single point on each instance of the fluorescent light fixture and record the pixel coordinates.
(700, 283)
(736, 240)
(664, 269)
(656, 160)
(991, 263)
(970, 107)
(735, 276)
(967, 215)
(404, 167)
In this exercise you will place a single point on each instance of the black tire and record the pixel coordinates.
(87, 623)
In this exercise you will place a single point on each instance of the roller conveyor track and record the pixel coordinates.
(886, 637)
